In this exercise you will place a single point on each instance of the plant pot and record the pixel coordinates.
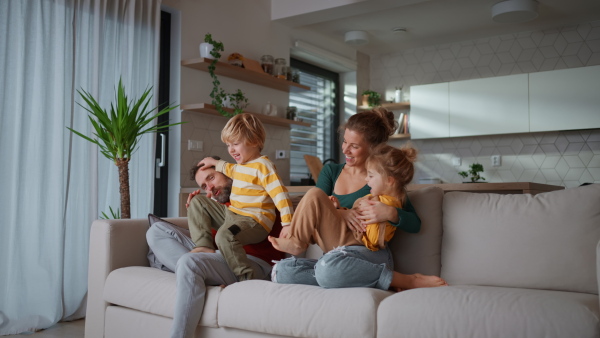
(365, 101)
(398, 95)
(205, 49)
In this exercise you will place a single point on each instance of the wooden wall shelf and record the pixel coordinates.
(207, 108)
(239, 73)
(389, 106)
(400, 137)
(497, 188)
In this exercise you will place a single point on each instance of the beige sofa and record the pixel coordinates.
(517, 265)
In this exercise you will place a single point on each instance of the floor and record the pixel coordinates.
(74, 329)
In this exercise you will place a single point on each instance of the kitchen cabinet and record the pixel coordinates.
(496, 105)
(565, 99)
(429, 113)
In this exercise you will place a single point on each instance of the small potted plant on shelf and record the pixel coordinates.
(474, 170)
(371, 98)
(237, 100)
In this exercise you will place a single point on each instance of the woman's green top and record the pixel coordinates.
(408, 219)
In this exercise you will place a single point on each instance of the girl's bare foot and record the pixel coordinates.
(286, 245)
(423, 281)
(417, 280)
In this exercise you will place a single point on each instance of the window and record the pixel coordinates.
(319, 107)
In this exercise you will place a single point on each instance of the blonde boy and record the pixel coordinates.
(256, 192)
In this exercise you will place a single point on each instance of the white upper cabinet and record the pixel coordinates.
(429, 111)
(565, 99)
(497, 105)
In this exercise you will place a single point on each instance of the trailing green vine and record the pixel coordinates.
(238, 99)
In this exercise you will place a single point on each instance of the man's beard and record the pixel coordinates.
(223, 196)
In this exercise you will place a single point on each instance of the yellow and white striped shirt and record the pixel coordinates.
(257, 190)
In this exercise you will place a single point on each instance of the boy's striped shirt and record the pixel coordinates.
(257, 191)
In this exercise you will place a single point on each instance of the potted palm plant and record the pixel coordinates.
(117, 132)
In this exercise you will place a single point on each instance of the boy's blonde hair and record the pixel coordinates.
(245, 128)
(397, 163)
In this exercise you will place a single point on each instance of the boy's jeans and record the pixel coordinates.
(234, 231)
(343, 267)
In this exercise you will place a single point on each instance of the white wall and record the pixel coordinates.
(244, 27)
(560, 158)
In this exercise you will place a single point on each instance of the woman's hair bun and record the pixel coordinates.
(388, 120)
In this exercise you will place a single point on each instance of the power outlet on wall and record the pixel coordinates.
(496, 160)
(280, 154)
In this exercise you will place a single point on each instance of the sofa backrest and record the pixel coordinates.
(420, 252)
(547, 241)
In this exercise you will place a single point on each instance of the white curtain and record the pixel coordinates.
(54, 184)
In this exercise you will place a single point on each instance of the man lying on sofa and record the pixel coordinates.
(171, 250)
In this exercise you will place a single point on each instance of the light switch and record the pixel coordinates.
(195, 145)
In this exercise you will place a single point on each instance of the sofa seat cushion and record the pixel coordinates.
(547, 241)
(485, 311)
(152, 290)
(300, 310)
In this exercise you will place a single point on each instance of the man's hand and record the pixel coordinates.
(190, 196)
(375, 212)
(207, 162)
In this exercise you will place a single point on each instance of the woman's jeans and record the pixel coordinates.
(343, 267)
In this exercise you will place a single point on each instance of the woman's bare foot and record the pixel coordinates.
(417, 280)
(203, 249)
(286, 245)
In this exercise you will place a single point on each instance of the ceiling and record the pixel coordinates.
(433, 22)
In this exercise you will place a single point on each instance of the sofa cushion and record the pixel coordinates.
(546, 241)
(484, 311)
(300, 310)
(153, 290)
(420, 252)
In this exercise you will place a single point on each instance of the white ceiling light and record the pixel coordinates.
(357, 38)
(513, 11)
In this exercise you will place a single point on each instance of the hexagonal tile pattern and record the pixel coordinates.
(541, 162)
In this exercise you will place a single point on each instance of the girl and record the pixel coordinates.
(389, 170)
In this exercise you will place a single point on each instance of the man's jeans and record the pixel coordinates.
(193, 272)
(343, 267)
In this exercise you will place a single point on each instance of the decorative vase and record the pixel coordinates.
(205, 49)
(398, 95)
(270, 109)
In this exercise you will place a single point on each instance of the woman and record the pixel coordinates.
(347, 262)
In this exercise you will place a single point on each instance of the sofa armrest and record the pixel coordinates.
(113, 244)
